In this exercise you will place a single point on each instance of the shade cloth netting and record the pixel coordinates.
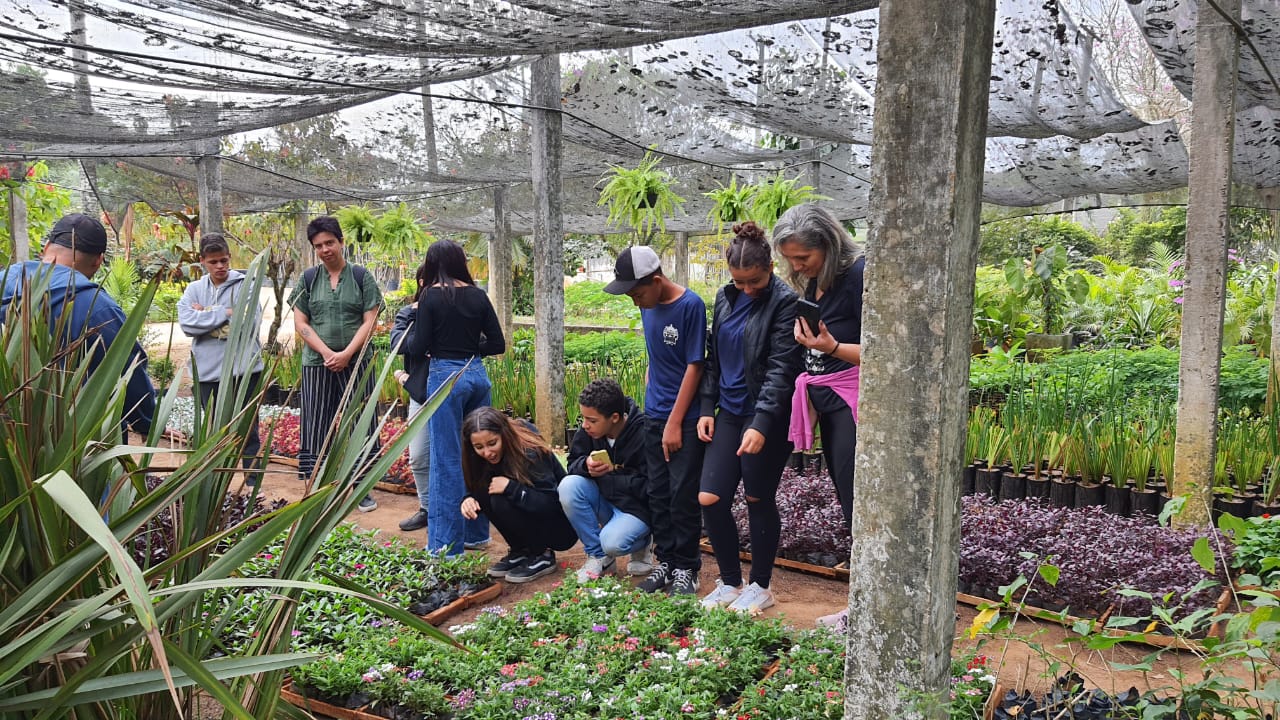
(743, 101)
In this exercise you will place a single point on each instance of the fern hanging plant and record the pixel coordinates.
(641, 197)
(777, 195)
(732, 203)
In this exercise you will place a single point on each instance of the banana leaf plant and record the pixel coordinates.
(85, 630)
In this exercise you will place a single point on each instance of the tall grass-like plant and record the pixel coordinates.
(84, 630)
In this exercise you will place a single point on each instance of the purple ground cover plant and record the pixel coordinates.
(1096, 554)
(812, 523)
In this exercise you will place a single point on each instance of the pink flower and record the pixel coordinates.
(1178, 300)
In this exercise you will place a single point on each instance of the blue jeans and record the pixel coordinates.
(447, 530)
(602, 528)
(420, 459)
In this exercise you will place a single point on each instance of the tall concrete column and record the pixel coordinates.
(1270, 198)
(1213, 113)
(18, 229)
(500, 263)
(209, 188)
(548, 247)
(680, 253)
(927, 158)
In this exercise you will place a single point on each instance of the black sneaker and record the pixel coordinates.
(509, 562)
(367, 504)
(416, 521)
(533, 568)
(683, 582)
(659, 579)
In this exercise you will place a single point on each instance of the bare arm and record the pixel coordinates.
(302, 324)
(672, 438)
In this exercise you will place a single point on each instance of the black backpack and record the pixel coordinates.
(309, 276)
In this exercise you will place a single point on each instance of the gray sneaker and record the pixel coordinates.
(595, 568)
(367, 504)
(641, 562)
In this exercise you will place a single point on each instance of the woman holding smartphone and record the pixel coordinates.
(746, 389)
(826, 266)
(511, 477)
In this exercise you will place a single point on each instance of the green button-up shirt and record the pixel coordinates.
(335, 314)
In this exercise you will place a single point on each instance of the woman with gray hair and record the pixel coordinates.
(825, 266)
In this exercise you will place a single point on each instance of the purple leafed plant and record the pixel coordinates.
(1096, 554)
(811, 519)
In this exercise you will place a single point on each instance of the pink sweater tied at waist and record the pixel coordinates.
(843, 383)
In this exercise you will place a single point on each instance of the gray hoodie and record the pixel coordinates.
(209, 327)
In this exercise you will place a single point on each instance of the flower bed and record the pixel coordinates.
(600, 650)
(389, 568)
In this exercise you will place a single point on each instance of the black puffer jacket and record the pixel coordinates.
(625, 486)
(773, 357)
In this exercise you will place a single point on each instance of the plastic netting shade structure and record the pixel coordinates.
(719, 97)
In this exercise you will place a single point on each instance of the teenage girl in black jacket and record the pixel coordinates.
(747, 383)
(511, 477)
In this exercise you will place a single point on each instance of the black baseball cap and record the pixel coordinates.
(634, 264)
(80, 232)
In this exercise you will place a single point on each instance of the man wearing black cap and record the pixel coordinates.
(675, 338)
(73, 253)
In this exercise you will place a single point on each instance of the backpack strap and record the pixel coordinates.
(309, 276)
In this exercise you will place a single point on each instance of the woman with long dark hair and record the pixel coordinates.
(512, 478)
(455, 326)
(749, 376)
(826, 266)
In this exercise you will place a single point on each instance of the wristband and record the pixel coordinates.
(834, 349)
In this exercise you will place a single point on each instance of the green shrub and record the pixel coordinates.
(603, 347)
(588, 302)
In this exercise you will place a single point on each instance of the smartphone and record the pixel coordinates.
(811, 314)
(600, 456)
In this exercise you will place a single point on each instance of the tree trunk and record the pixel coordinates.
(1209, 183)
(680, 269)
(927, 159)
(548, 247)
(209, 187)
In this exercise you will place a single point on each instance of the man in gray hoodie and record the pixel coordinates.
(204, 313)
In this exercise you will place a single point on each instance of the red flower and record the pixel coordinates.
(1266, 516)
(4, 173)
(31, 171)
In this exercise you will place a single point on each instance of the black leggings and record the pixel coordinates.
(839, 442)
(759, 474)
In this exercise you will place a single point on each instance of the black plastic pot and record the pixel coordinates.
(968, 478)
(987, 481)
(1089, 494)
(1013, 486)
(1147, 501)
(1062, 492)
(1117, 499)
(1229, 505)
(1038, 487)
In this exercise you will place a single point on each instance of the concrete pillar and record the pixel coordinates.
(548, 247)
(1213, 113)
(501, 271)
(927, 159)
(209, 188)
(306, 255)
(1270, 198)
(680, 253)
(18, 229)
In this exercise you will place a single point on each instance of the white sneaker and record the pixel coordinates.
(641, 562)
(595, 567)
(722, 596)
(837, 622)
(753, 600)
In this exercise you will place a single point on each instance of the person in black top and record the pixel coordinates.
(511, 478)
(605, 496)
(455, 326)
(747, 384)
(827, 266)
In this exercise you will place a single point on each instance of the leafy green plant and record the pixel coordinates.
(778, 194)
(641, 197)
(732, 203)
(120, 280)
(124, 641)
(1048, 282)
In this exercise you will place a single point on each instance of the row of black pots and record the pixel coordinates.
(810, 462)
(275, 395)
(1059, 491)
